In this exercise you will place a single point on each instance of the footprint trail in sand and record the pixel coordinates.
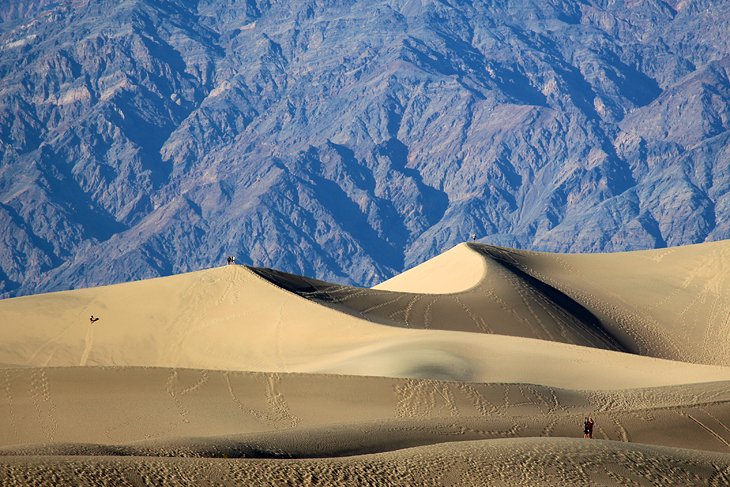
(461, 369)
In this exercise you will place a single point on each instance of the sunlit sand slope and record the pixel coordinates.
(175, 412)
(230, 318)
(669, 303)
(672, 303)
(475, 368)
(456, 270)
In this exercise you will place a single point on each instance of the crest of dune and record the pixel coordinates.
(479, 343)
(457, 269)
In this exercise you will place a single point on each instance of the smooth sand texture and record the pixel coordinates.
(507, 349)
(230, 318)
(456, 270)
(667, 303)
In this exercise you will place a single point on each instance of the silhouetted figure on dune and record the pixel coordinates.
(588, 427)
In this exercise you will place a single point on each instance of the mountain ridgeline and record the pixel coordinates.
(347, 140)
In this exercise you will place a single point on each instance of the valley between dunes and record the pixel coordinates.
(474, 368)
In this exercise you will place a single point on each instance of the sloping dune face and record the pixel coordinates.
(672, 303)
(297, 415)
(230, 318)
(481, 344)
(669, 303)
(454, 271)
(503, 302)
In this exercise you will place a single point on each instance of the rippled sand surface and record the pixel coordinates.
(474, 368)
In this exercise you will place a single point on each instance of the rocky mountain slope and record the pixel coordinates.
(348, 140)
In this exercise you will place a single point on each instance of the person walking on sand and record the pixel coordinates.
(93, 320)
(588, 427)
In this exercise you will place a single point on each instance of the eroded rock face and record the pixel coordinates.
(347, 140)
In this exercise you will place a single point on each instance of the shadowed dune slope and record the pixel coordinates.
(672, 303)
(668, 303)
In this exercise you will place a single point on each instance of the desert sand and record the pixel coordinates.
(476, 367)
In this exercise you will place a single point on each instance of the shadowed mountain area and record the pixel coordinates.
(350, 140)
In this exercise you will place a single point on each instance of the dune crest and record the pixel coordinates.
(479, 344)
(668, 303)
(231, 318)
(458, 269)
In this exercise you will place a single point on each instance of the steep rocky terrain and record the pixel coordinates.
(347, 140)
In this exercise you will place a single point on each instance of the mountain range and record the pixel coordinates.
(348, 140)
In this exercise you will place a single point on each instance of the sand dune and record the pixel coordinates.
(481, 343)
(456, 270)
(505, 462)
(155, 410)
(667, 303)
(229, 318)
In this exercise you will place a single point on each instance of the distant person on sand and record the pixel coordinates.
(233, 260)
(588, 427)
(93, 320)
(229, 260)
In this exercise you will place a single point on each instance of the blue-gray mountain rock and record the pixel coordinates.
(347, 140)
